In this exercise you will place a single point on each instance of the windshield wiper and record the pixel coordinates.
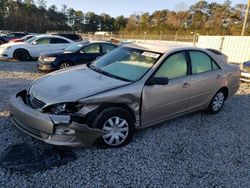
(92, 67)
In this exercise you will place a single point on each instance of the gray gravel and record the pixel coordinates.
(196, 150)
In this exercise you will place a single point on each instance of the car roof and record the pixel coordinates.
(171, 47)
(157, 47)
(102, 42)
(54, 36)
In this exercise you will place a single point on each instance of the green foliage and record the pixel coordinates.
(204, 17)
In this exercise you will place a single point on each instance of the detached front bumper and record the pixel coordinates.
(52, 129)
(245, 77)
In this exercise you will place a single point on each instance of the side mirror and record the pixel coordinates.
(158, 81)
(82, 52)
(34, 43)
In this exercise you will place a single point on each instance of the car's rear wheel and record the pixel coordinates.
(217, 102)
(65, 65)
(21, 55)
(118, 124)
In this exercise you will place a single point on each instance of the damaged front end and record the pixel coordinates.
(57, 128)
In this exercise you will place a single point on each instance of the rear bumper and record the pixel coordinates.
(52, 129)
(245, 77)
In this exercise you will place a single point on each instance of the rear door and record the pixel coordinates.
(206, 79)
(58, 43)
(41, 45)
(160, 102)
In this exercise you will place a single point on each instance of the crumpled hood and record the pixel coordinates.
(71, 85)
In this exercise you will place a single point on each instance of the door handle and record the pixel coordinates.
(186, 85)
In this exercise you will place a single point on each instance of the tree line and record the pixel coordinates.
(202, 17)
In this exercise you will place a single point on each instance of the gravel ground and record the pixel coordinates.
(196, 150)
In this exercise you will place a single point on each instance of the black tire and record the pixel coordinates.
(218, 98)
(66, 64)
(2, 42)
(21, 55)
(112, 113)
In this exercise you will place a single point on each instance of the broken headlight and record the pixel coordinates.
(64, 108)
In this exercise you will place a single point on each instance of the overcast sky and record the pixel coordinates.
(126, 7)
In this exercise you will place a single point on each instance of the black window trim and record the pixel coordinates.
(212, 60)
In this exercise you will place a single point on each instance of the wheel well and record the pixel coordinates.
(67, 61)
(92, 115)
(225, 91)
(21, 49)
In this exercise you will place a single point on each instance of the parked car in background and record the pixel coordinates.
(23, 39)
(72, 36)
(3, 32)
(13, 35)
(245, 72)
(134, 86)
(34, 47)
(79, 53)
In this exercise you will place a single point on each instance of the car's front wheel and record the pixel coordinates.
(65, 65)
(21, 55)
(118, 124)
(217, 102)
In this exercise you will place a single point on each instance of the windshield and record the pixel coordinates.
(31, 39)
(75, 47)
(126, 63)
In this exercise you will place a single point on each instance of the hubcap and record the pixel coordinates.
(64, 65)
(21, 55)
(218, 101)
(117, 131)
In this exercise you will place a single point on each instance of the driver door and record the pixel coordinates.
(89, 53)
(160, 102)
(41, 45)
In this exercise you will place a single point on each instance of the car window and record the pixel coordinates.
(174, 66)
(11, 35)
(43, 41)
(70, 36)
(106, 48)
(58, 41)
(126, 63)
(201, 62)
(91, 49)
(19, 35)
(215, 66)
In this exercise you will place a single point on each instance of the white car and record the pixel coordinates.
(34, 47)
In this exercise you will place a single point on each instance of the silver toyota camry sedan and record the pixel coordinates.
(135, 86)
